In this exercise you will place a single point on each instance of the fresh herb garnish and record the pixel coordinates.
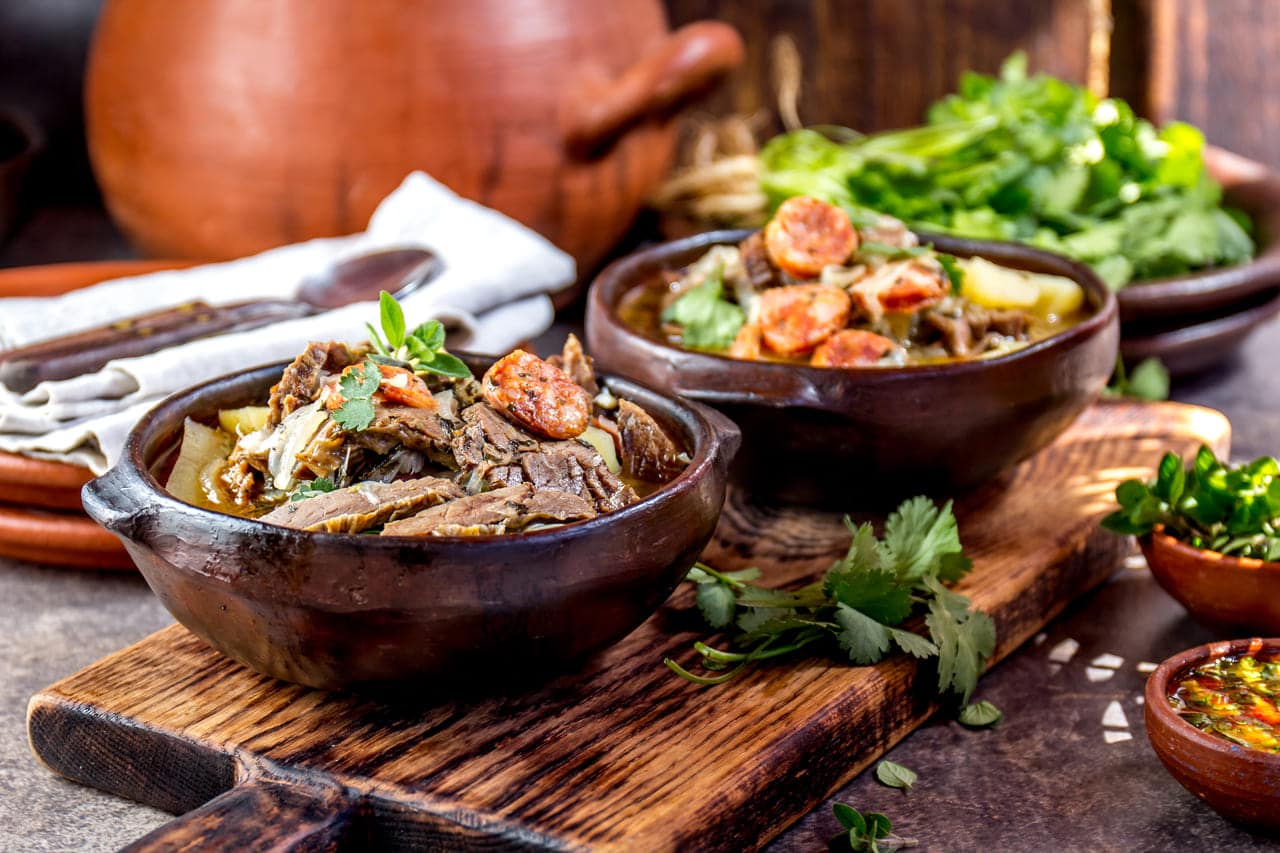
(1033, 159)
(706, 320)
(980, 715)
(1207, 504)
(871, 831)
(357, 387)
(1149, 381)
(421, 350)
(311, 489)
(895, 775)
(859, 604)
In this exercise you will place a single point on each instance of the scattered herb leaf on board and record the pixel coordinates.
(980, 715)
(707, 320)
(859, 606)
(1208, 504)
(1149, 381)
(895, 775)
(357, 387)
(1033, 159)
(869, 831)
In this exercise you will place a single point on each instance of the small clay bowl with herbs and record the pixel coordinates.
(1239, 782)
(335, 610)
(1232, 595)
(865, 436)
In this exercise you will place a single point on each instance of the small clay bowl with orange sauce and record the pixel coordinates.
(1232, 595)
(869, 436)
(1241, 784)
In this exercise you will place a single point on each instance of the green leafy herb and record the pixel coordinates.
(311, 489)
(895, 775)
(706, 319)
(421, 350)
(1207, 504)
(980, 715)
(357, 387)
(1031, 159)
(859, 607)
(869, 831)
(1149, 381)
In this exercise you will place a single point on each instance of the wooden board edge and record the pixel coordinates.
(62, 735)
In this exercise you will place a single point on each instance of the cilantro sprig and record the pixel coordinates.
(357, 386)
(311, 489)
(1233, 510)
(859, 606)
(706, 320)
(421, 350)
(1148, 381)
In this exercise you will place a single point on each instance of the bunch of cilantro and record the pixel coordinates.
(1229, 509)
(1035, 160)
(860, 605)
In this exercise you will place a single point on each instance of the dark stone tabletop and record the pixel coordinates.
(1069, 768)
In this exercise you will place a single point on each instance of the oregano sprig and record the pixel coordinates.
(421, 350)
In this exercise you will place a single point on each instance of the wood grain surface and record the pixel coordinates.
(619, 756)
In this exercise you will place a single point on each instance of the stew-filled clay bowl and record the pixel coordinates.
(835, 436)
(336, 610)
(1240, 783)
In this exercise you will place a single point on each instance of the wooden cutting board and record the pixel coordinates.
(619, 756)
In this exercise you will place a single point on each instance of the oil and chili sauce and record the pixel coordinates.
(1235, 697)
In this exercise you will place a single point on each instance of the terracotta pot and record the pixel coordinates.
(840, 437)
(219, 128)
(1232, 595)
(1241, 784)
(336, 610)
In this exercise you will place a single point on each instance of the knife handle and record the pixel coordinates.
(88, 351)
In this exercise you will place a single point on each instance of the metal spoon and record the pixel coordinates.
(356, 279)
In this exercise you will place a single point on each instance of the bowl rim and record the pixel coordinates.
(621, 276)
(1158, 540)
(1156, 698)
(705, 455)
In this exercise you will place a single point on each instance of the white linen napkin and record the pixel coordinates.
(492, 293)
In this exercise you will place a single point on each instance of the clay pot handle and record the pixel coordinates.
(257, 815)
(686, 64)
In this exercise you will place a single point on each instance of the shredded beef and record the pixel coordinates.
(567, 466)
(300, 383)
(500, 511)
(407, 426)
(364, 506)
(648, 453)
(759, 267)
(486, 437)
(577, 364)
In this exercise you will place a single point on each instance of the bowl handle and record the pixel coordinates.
(687, 63)
(727, 435)
(260, 814)
(105, 501)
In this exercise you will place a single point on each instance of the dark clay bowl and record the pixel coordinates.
(1239, 783)
(1254, 189)
(1232, 595)
(336, 610)
(840, 436)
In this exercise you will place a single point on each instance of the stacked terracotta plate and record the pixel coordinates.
(1195, 321)
(41, 519)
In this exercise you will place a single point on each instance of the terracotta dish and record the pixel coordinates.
(1241, 784)
(59, 539)
(335, 610)
(1234, 595)
(1251, 187)
(874, 434)
(35, 482)
(219, 131)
